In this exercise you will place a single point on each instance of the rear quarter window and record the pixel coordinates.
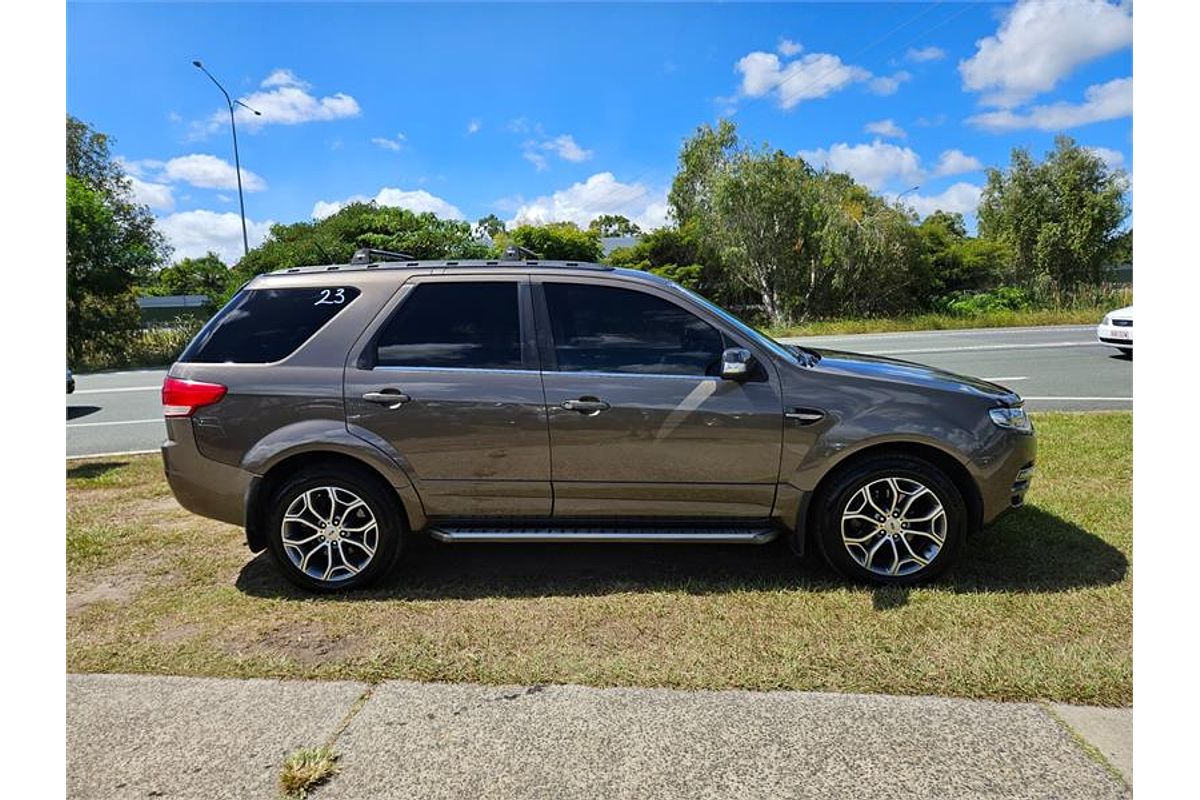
(259, 326)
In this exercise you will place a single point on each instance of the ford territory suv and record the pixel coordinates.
(335, 411)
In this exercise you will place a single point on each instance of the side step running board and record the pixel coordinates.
(656, 535)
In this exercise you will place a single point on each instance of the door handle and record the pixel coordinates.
(392, 398)
(589, 406)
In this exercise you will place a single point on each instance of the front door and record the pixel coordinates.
(450, 380)
(641, 423)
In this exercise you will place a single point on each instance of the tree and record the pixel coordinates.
(804, 243)
(555, 240)
(207, 275)
(334, 239)
(668, 252)
(1060, 219)
(491, 225)
(112, 245)
(608, 225)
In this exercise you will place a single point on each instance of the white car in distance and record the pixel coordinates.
(1116, 329)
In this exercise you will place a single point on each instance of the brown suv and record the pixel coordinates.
(332, 411)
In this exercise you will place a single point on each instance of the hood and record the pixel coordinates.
(894, 370)
(1121, 313)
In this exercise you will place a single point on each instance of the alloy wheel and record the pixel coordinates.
(329, 533)
(894, 526)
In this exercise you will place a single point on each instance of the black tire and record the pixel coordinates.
(843, 490)
(379, 500)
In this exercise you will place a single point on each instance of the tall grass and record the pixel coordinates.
(147, 347)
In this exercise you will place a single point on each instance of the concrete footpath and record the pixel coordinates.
(142, 736)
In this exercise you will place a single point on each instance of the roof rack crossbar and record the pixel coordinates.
(367, 255)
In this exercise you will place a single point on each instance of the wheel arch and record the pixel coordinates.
(954, 469)
(263, 486)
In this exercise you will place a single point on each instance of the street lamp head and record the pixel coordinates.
(197, 65)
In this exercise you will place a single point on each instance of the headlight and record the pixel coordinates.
(1012, 418)
(1106, 320)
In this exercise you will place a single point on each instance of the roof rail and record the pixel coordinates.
(367, 255)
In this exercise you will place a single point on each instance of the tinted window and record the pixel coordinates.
(465, 325)
(606, 329)
(264, 325)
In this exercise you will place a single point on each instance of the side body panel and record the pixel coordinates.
(668, 445)
(474, 440)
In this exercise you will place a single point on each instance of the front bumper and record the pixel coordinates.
(1007, 484)
(1115, 335)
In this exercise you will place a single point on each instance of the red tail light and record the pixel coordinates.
(181, 398)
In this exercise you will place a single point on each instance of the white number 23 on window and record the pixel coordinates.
(331, 297)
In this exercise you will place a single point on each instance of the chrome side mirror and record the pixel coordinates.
(736, 364)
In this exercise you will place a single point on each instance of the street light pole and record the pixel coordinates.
(906, 191)
(237, 163)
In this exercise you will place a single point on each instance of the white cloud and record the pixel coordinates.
(155, 195)
(600, 194)
(283, 77)
(564, 146)
(789, 48)
(208, 172)
(956, 162)
(1039, 43)
(1103, 101)
(874, 165)
(1113, 159)
(539, 161)
(194, 233)
(888, 84)
(885, 127)
(962, 198)
(924, 54)
(473, 126)
(417, 200)
(283, 99)
(389, 144)
(807, 78)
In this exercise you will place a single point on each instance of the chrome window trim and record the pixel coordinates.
(456, 369)
(635, 375)
(552, 372)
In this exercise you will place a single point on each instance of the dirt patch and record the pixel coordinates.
(117, 589)
(302, 642)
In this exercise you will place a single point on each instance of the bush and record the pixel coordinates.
(968, 304)
(147, 347)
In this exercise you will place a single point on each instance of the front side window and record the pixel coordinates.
(609, 329)
(261, 326)
(468, 325)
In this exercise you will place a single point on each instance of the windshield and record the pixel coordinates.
(766, 341)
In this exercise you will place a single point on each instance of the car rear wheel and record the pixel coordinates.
(333, 529)
(891, 520)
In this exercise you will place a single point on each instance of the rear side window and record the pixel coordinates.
(263, 325)
(468, 325)
(609, 329)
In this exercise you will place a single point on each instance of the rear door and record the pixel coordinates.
(641, 424)
(448, 376)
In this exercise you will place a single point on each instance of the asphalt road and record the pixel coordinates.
(1059, 367)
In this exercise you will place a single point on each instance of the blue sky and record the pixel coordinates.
(539, 112)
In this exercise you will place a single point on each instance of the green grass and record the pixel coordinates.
(1039, 608)
(934, 322)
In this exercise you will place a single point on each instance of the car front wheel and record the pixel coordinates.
(891, 520)
(333, 529)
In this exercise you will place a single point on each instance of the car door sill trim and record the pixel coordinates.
(608, 534)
